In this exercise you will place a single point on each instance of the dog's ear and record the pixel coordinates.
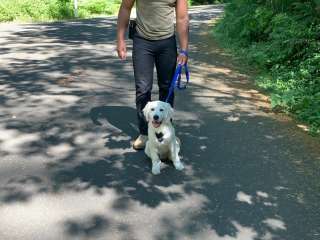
(169, 112)
(146, 111)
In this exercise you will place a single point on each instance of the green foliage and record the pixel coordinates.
(92, 7)
(58, 9)
(42, 10)
(282, 39)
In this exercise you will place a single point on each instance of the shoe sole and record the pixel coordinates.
(138, 148)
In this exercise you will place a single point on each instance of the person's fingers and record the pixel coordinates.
(182, 59)
(122, 54)
(179, 59)
(121, 50)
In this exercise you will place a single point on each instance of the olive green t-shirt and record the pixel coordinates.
(155, 18)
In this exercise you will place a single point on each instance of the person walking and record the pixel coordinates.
(154, 44)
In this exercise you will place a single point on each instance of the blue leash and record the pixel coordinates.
(176, 80)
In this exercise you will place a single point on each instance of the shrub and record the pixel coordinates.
(94, 7)
(281, 38)
(42, 10)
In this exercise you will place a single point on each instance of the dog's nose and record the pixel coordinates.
(156, 117)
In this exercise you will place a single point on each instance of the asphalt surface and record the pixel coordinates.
(67, 169)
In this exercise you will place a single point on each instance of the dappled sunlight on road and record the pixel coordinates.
(67, 120)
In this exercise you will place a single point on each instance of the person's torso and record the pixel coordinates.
(155, 18)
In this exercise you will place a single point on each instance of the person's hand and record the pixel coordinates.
(122, 49)
(182, 58)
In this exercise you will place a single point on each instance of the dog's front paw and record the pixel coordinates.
(156, 167)
(178, 165)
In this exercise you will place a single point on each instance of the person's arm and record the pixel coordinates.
(182, 30)
(122, 25)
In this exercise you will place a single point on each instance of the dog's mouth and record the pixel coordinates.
(156, 124)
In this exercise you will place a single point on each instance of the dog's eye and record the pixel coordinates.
(152, 109)
(161, 109)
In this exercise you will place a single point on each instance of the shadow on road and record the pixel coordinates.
(67, 120)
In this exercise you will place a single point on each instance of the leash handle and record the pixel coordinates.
(176, 80)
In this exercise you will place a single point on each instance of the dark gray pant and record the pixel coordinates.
(146, 54)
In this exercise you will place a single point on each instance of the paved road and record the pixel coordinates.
(67, 170)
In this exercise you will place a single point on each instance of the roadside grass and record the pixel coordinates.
(51, 10)
(284, 48)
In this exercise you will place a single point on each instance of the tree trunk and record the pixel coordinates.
(75, 3)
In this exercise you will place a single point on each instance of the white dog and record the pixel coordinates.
(162, 142)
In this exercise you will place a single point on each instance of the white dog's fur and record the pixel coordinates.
(162, 142)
